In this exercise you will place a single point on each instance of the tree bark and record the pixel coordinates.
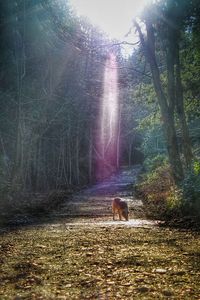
(187, 151)
(166, 111)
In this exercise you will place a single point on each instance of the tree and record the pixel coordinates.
(164, 24)
(166, 109)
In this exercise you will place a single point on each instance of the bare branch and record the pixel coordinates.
(118, 44)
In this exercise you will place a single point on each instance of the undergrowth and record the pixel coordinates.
(19, 208)
(162, 198)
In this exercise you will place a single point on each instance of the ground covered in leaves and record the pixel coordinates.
(63, 261)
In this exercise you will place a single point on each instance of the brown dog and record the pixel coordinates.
(121, 208)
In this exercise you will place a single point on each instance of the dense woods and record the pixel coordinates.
(51, 83)
(170, 39)
(99, 151)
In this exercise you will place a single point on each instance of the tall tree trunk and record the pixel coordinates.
(166, 112)
(187, 151)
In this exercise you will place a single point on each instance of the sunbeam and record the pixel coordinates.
(108, 121)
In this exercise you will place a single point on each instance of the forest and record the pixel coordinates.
(99, 152)
(52, 66)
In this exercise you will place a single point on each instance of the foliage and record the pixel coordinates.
(191, 191)
(196, 168)
(51, 67)
(152, 163)
(51, 82)
(162, 198)
(183, 103)
(153, 142)
(155, 188)
(190, 58)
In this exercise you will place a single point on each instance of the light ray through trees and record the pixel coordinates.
(109, 120)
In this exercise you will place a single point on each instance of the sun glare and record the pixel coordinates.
(107, 144)
(113, 17)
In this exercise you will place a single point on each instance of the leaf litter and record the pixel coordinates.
(91, 262)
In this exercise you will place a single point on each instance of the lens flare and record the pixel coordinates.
(107, 144)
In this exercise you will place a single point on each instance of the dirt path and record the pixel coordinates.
(92, 206)
(82, 254)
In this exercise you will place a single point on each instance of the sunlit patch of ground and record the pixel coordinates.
(106, 223)
(62, 261)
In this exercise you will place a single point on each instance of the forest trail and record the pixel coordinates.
(92, 206)
(80, 253)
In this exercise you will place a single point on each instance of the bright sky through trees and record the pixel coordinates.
(113, 17)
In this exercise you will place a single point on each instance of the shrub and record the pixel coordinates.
(191, 191)
(24, 208)
(155, 162)
(160, 196)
